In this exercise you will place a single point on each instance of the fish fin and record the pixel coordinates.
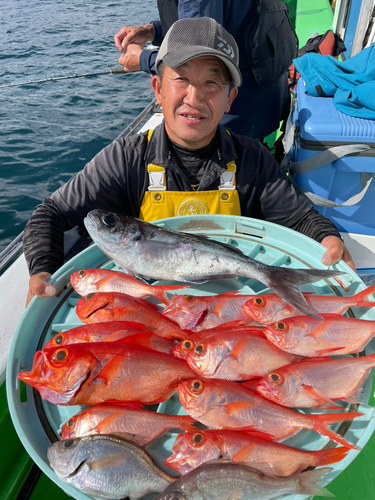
(102, 426)
(258, 434)
(209, 277)
(235, 494)
(285, 282)
(126, 404)
(319, 397)
(321, 352)
(110, 372)
(133, 438)
(166, 396)
(227, 326)
(107, 461)
(238, 350)
(331, 455)
(235, 408)
(187, 423)
(362, 298)
(319, 424)
(151, 341)
(161, 292)
(307, 482)
(265, 467)
(250, 384)
(120, 335)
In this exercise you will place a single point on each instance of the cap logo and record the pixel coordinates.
(224, 45)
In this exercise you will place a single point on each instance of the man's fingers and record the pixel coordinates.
(39, 287)
(336, 250)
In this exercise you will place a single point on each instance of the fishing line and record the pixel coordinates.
(64, 77)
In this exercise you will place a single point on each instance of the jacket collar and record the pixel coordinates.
(158, 152)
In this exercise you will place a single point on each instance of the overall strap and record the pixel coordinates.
(156, 173)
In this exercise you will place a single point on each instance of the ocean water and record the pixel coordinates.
(49, 131)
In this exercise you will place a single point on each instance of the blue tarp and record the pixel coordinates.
(351, 83)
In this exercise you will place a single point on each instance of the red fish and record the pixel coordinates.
(330, 335)
(268, 308)
(193, 448)
(101, 372)
(140, 426)
(100, 306)
(237, 356)
(87, 334)
(318, 382)
(88, 281)
(223, 404)
(95, 332)
(198, 313)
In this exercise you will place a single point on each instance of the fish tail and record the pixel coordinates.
(307, 482)
(362, 298)
(320, 425)
(187, 423)
(285, 282)
(330, 456)
(161, 292)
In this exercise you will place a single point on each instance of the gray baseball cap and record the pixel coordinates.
(190, 38)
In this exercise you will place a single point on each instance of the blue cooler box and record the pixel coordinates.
(319, 127)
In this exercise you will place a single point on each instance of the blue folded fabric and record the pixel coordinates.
(352, 82)
(359, 102)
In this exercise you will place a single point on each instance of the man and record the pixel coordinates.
(267, 44)
(188, 164)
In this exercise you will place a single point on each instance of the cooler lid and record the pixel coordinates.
(319, 120)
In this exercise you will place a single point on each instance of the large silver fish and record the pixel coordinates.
(231, 481)
(147, 250)
(107, 467)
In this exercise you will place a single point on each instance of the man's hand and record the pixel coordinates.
(138, 35)
(38, 286)
(336, 250)
(130, 60)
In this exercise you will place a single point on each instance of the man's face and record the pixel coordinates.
(194, 98)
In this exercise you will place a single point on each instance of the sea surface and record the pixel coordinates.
(50, 130)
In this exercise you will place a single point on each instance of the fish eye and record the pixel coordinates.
(109, 220)
(190, 298)
(89, 296)
(187, 345)
(259, 302)
(81, 273)
(70, 423)
(275, 378)
(281, 326)
(197, 439)
(196, 386)
(68, 443)
(58, 340)
(176, 495)
(60, 356)
(200, 349)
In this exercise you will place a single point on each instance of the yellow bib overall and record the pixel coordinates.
(158, 203)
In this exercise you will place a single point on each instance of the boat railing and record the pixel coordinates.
(10, 253)
(14, 249)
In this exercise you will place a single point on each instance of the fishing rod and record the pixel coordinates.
(64, 77)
